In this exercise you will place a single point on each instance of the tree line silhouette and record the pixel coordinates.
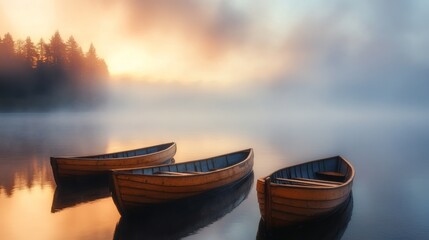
(46, 75)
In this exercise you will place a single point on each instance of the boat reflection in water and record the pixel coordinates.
(182, 218)
(70, 196)
(82, 190)
(330, 227)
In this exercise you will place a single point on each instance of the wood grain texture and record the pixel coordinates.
(133, 187)
(65, 168)
(297, 196)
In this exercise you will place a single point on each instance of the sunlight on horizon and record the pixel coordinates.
(335, 47)
(203, 42)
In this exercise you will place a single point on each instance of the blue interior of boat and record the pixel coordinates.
(205, 165)
(132, 153)
(311, 170)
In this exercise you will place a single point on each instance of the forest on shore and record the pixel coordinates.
(49, 75)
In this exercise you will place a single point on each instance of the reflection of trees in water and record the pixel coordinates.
(331, 227)
(25, 175)
(184, 217)
(28, 140)
(46, 75)
(70, 196)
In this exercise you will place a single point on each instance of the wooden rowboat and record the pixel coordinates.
(331, 227)
(135, 189)
(69, 168)
(304, 192)
(186, 216)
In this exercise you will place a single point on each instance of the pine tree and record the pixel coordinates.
(91, 55)
(57, 48)
(49, 74)
(30, 53)
(41, 51)
(7, 49)
(74, 54)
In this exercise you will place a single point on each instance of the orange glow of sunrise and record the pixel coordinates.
(155, 41)
(48, 225)
(141, 62)
(26, 15)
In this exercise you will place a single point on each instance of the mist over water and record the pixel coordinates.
(294, 80)
(384, 142)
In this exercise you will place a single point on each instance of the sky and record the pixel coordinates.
(368, 45)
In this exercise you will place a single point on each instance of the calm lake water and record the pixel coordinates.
(389, 150)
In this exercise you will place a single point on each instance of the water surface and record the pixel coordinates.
(389, 152)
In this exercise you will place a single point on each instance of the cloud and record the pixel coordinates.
(373, 45)
(371, 51)
(223, 41)
(196, 35)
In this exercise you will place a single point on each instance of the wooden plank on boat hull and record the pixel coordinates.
(305, 183)
(116, 162)
(300, 210)
(107, 167)
(297, 202)
(149, 187)
(260, 192)
(180, 187)
(155, 156)
(282, 219)
(63, 170)
(156, 194)
(166, 173)
(131, 189)
(310, 207)
(328, 203)
(153, 197)
(261, 198)
(320, 181)
(310, 203)
(260, 186)
(173, 193)
(234, 174)
(309, 193)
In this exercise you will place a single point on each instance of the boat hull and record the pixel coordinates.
(330, 227)
(184, 217)
(284, 205)
(132, 192)
(71, 168)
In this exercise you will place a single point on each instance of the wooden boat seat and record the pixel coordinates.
(306, 183)
(172, 173)
(318, 180)
(331, 176)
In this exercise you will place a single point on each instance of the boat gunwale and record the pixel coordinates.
(89, 157)
(344, 184)
(124, 171)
